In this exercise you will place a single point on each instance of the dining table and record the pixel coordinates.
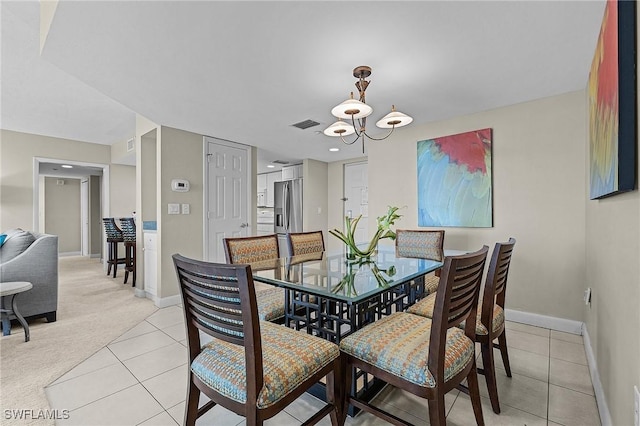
(331, 295)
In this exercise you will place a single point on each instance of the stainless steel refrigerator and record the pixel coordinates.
(287, 211)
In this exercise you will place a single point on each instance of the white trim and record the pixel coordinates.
(601, 400)
(205, 199)
(553, 323)
(105, 193)
(166, 301)
(70, 253)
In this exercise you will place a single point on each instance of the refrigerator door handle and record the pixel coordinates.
(286, 205)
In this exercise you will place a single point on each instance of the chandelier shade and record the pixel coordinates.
(356, 111)
(394, 119)
(339, 128)
(352, 108)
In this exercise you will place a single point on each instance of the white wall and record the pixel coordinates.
(538, 195)
(62, 213)
(120, 155)
(541, 197)
(122, 190)
(17, 151)
(314, 193)
(335, 205)
(95, 213)
(180, 155)
(613, 273)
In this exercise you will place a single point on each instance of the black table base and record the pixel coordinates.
(333, 320)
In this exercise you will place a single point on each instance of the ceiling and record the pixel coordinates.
(247, 71)
(76, 171)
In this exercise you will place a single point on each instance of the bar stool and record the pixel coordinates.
(114, 236)
(128, 226)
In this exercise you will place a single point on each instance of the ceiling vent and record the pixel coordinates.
(280, 162)
(305, 124)
(131, 144)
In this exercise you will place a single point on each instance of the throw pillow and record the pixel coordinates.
(16, 242)
(2, 238)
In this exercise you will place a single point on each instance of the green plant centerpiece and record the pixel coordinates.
(347, 284)
(384, 231)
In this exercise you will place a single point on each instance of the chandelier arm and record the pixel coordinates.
(349, 143)
(380, 139)
(360, 126)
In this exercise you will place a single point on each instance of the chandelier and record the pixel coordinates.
(356, 113)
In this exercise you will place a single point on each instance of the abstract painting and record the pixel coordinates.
(454, 180)
(612, 100)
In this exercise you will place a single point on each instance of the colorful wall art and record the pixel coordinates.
(454, 180)
(612, 97)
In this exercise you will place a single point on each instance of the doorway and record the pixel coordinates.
(90, 198)
(356, 197)
(227, 195)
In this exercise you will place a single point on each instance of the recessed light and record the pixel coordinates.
(66, 166)
(271, 166)
(334, 149)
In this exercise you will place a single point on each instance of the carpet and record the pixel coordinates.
(93, 310)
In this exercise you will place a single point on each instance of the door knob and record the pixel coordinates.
(244, 225)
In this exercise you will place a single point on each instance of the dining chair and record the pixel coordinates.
(305, 242)
(305, 246)
(251, 367)
(426, 357)
(422, 244)
(490, 311)
(246, 250)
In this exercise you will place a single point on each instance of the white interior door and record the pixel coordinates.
(84, 216)
(356, 194)
(227, 195)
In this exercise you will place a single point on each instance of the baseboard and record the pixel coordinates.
(167, 301)
(96, 256)
(603, 407)
(70, 253)
(138, 292)
(573, 327)
(553, 323)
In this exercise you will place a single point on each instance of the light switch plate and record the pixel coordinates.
(186, 209)
(174, 208)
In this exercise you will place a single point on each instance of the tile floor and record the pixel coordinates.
(140, 379)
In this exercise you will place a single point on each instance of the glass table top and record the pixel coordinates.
(331, 275)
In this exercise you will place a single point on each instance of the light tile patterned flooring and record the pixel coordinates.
(140, 379)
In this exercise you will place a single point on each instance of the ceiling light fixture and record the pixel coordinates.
(358, 111)
(334, 149)
(66, 166)
(271, 166)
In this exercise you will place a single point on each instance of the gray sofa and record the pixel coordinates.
(32, 257)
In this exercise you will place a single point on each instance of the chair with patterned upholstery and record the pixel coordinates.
(490, 311)
(251, 367)
(114, 236)
(128, 226)
(305, 242)
(426, 357)
(421, 244)
(247, 250)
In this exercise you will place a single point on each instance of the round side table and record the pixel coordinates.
(13, 289)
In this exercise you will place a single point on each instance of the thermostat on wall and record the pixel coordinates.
(180, 185)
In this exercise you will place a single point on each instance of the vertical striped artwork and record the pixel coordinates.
(611, 105)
